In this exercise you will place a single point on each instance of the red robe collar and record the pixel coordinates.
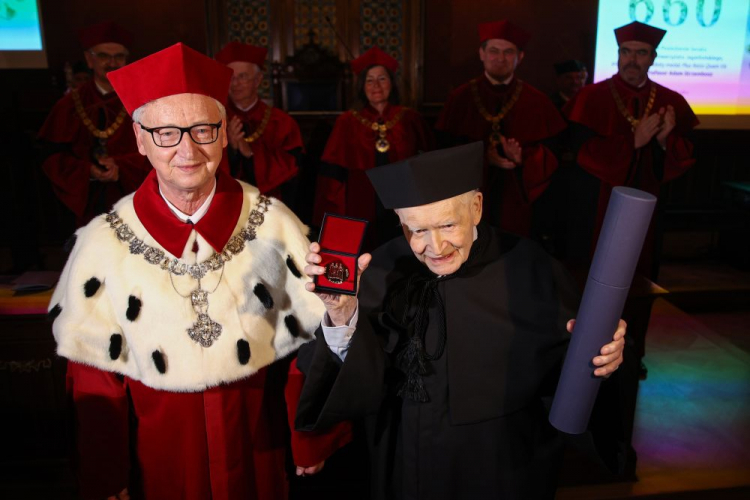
(500, 89)
(621, 84)
(216, 226)
(254, 114)
(372, 114)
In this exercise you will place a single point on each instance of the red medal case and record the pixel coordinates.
(340, 244)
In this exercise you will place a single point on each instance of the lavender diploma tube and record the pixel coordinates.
(623, 232)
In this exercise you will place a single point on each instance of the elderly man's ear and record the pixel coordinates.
(476, 208)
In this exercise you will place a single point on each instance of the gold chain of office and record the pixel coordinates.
(495, 119)
(381, 143)
(624, 111)
(261, 128)
(99, 134)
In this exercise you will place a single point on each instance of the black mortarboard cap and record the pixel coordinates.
(429, 177)
(569, 66)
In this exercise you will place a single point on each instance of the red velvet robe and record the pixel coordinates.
(530, 121)
(224, 443)
(273, 162)
(351, 146)
(69, 165)
(609, 153)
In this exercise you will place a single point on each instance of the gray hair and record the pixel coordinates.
(138, 113)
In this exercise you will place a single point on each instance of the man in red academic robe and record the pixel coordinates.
(181, 310)
(265, 144)
(627, 131)
(92, 159)
(517, 123)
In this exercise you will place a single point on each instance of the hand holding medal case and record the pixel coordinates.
(340, 244)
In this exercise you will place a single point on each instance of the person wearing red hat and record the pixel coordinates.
(626, 131)
(378, 132)
(265, 143)
(180, 311)
(90, 154)
(515, 121)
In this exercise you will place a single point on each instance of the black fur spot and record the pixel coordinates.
(292, 325)
(70, 243)
(292, 267)
(265, 298)
(134, 308)
(54, 312)
(91, 287)
(115, 346)
(159, 362)
(243, 351)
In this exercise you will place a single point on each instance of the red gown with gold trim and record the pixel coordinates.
(71, 145)
(509, 194)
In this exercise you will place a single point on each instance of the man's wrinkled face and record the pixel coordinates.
(571, 82)
(105, 57)
(245, 82)
(441, 234)
(634, 60)
(186, 167)
(500, 58)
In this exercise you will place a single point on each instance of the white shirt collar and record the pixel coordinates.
(198, 215)
(504, 82)
(101, 89)
(245, 110)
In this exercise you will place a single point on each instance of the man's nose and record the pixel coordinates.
(436, 242)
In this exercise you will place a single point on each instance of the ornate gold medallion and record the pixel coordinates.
(337, 272)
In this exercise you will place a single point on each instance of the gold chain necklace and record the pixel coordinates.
(205, 330)
(99, 134)
(263, 123)
(381, 143)
(495, 119)
(624, 111)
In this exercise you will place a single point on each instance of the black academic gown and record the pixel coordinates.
(483, 432)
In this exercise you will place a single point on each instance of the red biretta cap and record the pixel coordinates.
(238, 51)
(175, 70)
(504, 30)
(639, 32)
(374, 57)
(104, 32)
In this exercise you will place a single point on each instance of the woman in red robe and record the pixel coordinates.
(379, 133)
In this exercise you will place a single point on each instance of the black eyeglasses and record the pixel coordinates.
(120, 57)
(166, 137)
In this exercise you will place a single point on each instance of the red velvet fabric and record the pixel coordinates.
(374, 56)
(104, 32)
(175, 70)
(352, 146)
(273, 163)
(532, 119)
(639, 32)
(342, 234)
(610, 154)
(69, 169)
(243, 52)
(216, 226)
(224, 443)
(504, 30)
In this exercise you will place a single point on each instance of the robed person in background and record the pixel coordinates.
(626, 131)
(570, 77)
(517, 123)
(457, 332)
(90, 155)
(550, 211)
(265, 144)
(377, 133)
(181, 309)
